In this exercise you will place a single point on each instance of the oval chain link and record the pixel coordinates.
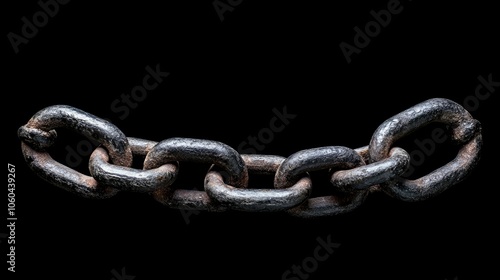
(196, 150)
(39, 134)
(465, 131)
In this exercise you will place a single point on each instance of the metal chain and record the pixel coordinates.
(354, 172)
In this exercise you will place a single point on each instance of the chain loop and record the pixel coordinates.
(201, 151)
(353, 174)
(465, 131)
(61, 116)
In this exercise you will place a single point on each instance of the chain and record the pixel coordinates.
(354, 173)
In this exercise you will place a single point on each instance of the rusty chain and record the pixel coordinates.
(354, 173)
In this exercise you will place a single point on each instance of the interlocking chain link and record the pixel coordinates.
(354, 173)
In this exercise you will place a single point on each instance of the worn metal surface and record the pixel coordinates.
(323, 158)
(38, 134)
(38, 139)
(218, 154)
(365, 176)
(127, 178)
(62, 176)
(354, 173)
(257, 199)
(100, 130)
(466, 131)
(202, 151)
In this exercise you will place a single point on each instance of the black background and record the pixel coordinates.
(225, 79)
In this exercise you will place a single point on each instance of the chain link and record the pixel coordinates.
(354, 173)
